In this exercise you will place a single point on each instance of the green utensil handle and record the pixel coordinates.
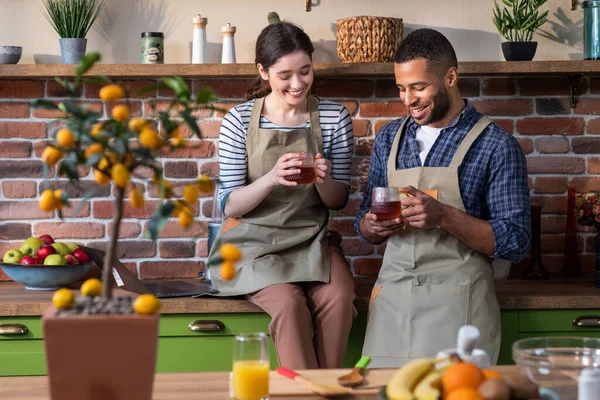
(363, 362)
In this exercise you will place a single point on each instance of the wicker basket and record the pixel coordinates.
(368, 39)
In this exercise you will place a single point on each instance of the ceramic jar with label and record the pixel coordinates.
(153, 48)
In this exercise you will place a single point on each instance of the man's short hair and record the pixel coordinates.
(430, 45)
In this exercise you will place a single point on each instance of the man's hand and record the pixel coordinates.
(381, 228)
(421, 210)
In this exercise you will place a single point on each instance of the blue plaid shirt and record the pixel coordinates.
(492, 177)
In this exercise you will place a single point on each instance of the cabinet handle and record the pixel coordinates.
(587, 321)
(13, 329)
(209, 325)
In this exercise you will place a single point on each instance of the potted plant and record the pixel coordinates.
(72, 19)
(98, 346)
(517, 22)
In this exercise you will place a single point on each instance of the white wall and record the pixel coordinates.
(467, 23)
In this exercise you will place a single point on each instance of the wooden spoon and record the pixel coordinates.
(323, 390)
(357, 375)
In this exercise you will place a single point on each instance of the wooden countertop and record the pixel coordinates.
(513, 294)
(210, 385)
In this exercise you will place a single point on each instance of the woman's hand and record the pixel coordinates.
(285, 167)
(322, 169)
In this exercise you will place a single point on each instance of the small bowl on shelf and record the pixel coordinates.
(556, 362)
(46, 277)
(10, 54)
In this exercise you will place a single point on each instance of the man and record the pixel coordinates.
(468, 203)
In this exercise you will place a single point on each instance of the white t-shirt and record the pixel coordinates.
(426, 137)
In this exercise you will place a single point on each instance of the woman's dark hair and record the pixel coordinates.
(275, 41)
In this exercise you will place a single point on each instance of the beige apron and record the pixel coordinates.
(430, 283)
(283, 239)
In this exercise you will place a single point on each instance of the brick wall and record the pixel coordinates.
(561, 146)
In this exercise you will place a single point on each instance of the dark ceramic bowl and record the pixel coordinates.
(46, 277)
(10, 54)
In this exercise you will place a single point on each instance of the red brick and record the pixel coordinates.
(210, 168)
(586, 184)
(176, 249)
(21, 89)
(84, 210)
(82, 188)
(551, 204)
(104, 209)
(167, 92)
(353, 88)
(14, 110)
(553, 144)
(551, 86)
(380, 123)
(210, 128)
(181, 169)
(585, 145)
(504, 107)
(553, 224)
(135, 107)
(18, 189)
(367, 266)
(595, 86)
(129, 248)
(131, 87)
(364, 147)
(553, 106)
(153, 190)
(207, 207)
(386, 88)
(173, 230)
(43, 113)
(202, 248)
(345, 226)
(225, 88)
(551, 126)
(382, 109)
(593, 165)
(351, 106)
(21, 169)
(194, 149)
(15, 149)
(22, 130)
(204, 111)
(126, 230)
(55, 89)
(553, 243)
(593, 126)
(469, 87)
(361, 127)
(357, 247)
(224, 107)
(62, 230)
(170, 269)
(555, 165)
(22, 209)
(587, 106)
(14, 231)
(550, 184)
(351, 209)
(499, 87)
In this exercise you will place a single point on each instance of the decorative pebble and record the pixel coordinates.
(100, 306)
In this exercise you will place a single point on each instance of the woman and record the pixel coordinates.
(288, 268)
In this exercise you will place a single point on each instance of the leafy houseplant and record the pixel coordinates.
(72, 19)
(517, 22)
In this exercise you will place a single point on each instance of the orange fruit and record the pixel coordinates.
(101, 178)
(112, 157)
(146, 304)
(185, 218)
(178, 141)
(91, 287)
(168, 189)
(93, 149)
(120, 112)
(63, 299)
(461, 375)
(205, 184)
(51, 155)
(230, 252)
(136, 124)
(65, 138)
(227, 271)
(120, 175)
(111, 93)
(47, 200)
(57, 198)
(464, 393)
(136, 198)
(491, 374)
(150, 139)
(190, 194)
(96, 129)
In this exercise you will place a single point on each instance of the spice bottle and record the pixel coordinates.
(228, 53)
(153, 49)
(199, 39)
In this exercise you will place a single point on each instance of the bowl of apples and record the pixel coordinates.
(44, 264)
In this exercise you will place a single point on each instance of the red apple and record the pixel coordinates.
(47, 239)
(81, 256)
(71, 259)
(30, 260)
(45, 251)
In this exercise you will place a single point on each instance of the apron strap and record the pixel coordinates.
(255, 120)
(472, 135)
(393, 157)
(315, 122)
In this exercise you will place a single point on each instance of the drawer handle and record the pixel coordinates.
(13, 329)
(209, 325)
(587, 321)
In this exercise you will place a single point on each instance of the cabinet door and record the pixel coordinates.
(570, 321)
(21, 347)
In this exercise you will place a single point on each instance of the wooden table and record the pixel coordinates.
(209, 385)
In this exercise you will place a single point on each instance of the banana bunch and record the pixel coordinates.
(419, 379)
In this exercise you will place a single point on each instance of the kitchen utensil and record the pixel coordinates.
(10, 54)
(356, 376)
(323, 390)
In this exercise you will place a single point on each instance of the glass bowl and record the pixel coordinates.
(556, 362)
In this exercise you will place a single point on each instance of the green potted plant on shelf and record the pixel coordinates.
(100, 346)
(72, 19)
(517, 22)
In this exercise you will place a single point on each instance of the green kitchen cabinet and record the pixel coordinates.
(21, 346)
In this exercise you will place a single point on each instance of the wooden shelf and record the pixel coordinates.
(366, 70)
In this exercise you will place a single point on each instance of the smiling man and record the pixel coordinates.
(468, 203)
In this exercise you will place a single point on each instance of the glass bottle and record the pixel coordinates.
(591, 29)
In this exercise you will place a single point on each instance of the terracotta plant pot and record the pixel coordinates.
(91, 357)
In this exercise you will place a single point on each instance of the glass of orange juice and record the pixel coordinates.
(251, 366)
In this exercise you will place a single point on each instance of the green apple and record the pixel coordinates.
(12, 256)
(72, 246)
(30, 246)
(55, 259)
(61, 248)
